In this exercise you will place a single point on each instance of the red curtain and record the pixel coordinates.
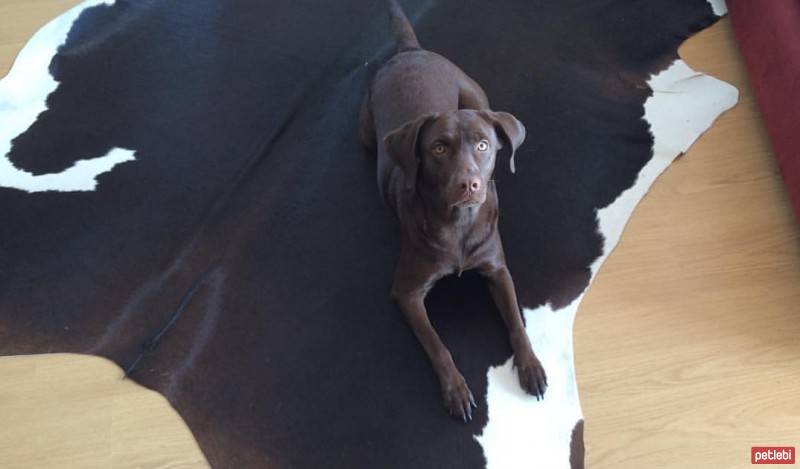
(768, 33)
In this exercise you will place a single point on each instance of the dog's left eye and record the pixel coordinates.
(483, 145)
(439, 149)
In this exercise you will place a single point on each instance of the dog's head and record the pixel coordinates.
(452, 155)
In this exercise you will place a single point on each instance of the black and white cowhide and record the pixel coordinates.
(182, 191)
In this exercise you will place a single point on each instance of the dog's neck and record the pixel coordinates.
(454, 232)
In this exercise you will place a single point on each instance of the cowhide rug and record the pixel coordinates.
(183, 192)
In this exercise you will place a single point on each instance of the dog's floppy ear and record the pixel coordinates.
(509, 129)
(402, 145)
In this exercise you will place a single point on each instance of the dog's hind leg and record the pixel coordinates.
(366, 126)
(471, 95)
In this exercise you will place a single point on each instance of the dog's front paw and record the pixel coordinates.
(532, 377)
(458, 398)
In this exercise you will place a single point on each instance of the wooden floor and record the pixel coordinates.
(687, 344)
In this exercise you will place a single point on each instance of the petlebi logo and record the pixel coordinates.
(772, 455)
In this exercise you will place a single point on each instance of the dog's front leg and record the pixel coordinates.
(532, 377)
(457, 397)
(409, 292)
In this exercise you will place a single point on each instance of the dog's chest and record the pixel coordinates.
(457, 251)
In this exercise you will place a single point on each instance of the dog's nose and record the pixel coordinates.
(471, 185)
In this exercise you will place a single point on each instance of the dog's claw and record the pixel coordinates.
(457, 397)
(532, 377)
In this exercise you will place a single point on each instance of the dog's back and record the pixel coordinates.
(412, 83)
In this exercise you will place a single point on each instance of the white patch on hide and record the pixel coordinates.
(523, 432)
(81, 176)
(23, 96)
(719, 7)
(684, 105)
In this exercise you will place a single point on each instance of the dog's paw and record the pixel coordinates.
(458, 398)
(532, 377)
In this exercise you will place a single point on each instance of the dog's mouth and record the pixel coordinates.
(472, 201)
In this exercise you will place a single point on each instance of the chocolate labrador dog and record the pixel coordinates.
(438, 145)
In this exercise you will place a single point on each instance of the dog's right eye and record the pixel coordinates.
(439, 149)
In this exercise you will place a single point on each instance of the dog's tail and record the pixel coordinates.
(404, 36)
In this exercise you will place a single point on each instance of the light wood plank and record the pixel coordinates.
(687, 344)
